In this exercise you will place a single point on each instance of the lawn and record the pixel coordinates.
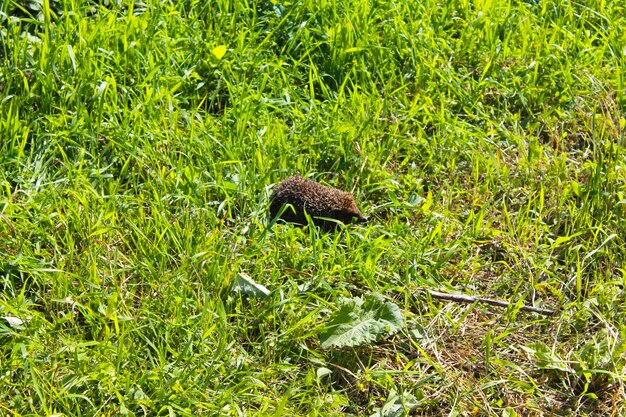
(140, 274)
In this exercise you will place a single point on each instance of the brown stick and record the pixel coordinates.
(460, 298)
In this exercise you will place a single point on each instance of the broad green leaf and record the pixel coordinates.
(396, 405)
(321, 372)
(244, 284)
(14, 321)
(360, 321)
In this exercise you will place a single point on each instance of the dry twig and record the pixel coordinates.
(460, 298)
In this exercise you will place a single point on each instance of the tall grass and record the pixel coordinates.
(139, 143)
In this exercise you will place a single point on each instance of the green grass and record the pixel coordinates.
(485, 139)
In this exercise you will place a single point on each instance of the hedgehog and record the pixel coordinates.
(299, 194)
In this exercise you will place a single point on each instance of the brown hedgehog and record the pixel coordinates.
(316, 199)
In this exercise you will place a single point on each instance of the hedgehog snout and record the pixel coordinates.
(357, 217)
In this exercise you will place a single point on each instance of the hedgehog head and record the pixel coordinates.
(349, 210)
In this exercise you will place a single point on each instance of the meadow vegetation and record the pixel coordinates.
(138, 145)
